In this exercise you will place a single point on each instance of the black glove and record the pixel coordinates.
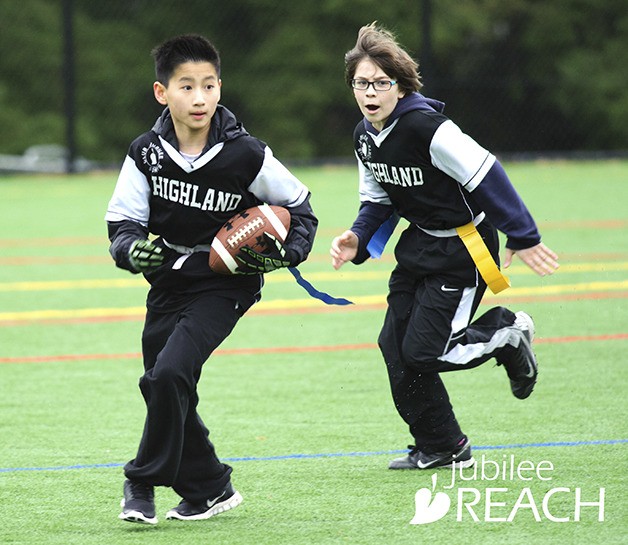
(145, 256)
(253, 262)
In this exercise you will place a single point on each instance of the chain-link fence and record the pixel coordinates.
(519, 76)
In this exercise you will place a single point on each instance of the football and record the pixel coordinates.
(247, 229)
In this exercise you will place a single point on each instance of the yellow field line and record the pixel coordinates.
(70, 313)
(286, 304)
(275, 278)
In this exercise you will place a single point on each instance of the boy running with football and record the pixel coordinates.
(181, 182)
(417, 164)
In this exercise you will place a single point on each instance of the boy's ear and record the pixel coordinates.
(159, 91)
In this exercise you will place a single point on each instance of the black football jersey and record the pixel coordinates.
(186, 202)
(424, 166)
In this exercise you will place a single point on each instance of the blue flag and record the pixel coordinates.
(378, 241)
(324, 297)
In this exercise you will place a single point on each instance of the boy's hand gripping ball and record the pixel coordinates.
(251, 241)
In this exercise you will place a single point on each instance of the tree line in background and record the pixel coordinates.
(518, 75)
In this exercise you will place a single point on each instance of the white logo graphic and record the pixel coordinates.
(445, 288)
(510, 495)
(152, 156)
(364, 148)
(428, 510)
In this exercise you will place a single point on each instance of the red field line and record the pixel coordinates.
(326, 231)
(331, 232)
(285, 350)
(582, 338)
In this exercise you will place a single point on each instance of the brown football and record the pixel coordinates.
(247, 229)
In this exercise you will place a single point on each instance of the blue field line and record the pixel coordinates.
(333, 455)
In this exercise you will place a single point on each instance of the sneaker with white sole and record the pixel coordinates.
(229, 499)
(138, 504)
(518, 358)
(415, 459)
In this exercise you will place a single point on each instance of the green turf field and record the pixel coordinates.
(297, 398)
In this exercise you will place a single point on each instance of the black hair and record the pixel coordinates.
(180, 49)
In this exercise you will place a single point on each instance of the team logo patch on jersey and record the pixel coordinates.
(152, 156)
(364, 147)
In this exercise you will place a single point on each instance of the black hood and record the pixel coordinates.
(224, 126)
(413, 101)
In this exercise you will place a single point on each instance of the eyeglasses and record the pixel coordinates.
(378, 85)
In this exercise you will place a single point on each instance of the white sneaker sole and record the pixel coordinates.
(221, 507)
(136, 516)
(459, 463)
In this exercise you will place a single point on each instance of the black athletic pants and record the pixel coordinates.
(175, 449)
(434, 292)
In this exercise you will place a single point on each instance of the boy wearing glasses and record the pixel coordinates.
(415, 163)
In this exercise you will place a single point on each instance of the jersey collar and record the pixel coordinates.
(408, 103)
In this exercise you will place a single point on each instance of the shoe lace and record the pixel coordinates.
(141, 491)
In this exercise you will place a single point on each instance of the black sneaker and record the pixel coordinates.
(519, 359)
(138, 504)
(416, 459)
(229, 499)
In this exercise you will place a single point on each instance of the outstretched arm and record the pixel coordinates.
(509, 214)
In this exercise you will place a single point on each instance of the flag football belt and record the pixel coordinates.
(482, 258)
(307, 286)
